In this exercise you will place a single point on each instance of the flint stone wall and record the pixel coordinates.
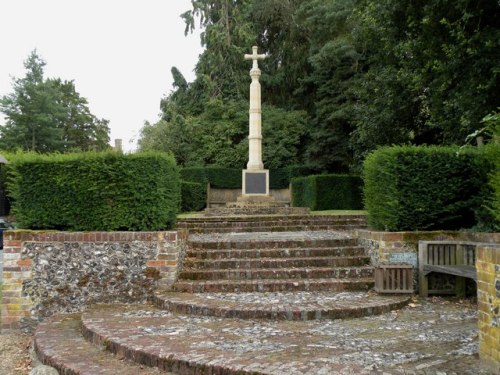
(50, 272)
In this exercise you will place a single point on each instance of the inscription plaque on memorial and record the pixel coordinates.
(255, 183)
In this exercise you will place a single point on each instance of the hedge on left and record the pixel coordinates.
(94, 191)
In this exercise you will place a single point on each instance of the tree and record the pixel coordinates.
(48, 115)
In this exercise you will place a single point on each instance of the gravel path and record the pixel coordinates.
(15, 354)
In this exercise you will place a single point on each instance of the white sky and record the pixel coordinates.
(118, 52)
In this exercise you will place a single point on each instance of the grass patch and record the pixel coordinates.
(189, 215)
(339, 212)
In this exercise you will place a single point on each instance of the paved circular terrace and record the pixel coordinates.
(427, 337)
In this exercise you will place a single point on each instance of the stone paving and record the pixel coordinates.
(431, 336)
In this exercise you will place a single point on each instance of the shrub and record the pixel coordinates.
(218, 177)
(194, 196)
(425, 188)
(327, 192)
(95, 191)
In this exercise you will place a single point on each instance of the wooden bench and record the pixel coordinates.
(446, 257)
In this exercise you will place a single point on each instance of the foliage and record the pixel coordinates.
(425, 188)
(431, 71)
(94, 191)
(231, 178)
(219, 136)
(48, 115)
(194, 196)
(342, 78)
(328, 192)
(222, 178)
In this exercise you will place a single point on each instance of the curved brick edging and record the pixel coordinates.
(58, 343)
(210, 305)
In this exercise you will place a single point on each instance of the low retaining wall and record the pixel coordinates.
(394, 247)
(220, 197)
(49, 272)
(402, 247)
(488, 292)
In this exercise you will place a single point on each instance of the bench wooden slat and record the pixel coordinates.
(463, 271)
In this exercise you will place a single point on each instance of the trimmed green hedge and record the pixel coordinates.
(95, 191)
(222, 178)
(230, 178)
(194, 196)
(426, 188)
(328, 192)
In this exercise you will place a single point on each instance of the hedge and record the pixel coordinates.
(426, 188)
(95, 191)
(230, 178)
(328, 192)
(194, 196)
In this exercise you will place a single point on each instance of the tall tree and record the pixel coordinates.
(48, 115)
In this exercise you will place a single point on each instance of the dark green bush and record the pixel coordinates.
(425, 188)
(194, 196)
(230, 178)
(327, 192)
(95, 191)
(218, 177)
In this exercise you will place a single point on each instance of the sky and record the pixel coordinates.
(118, 53)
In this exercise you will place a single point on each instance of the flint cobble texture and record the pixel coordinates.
(428, 337)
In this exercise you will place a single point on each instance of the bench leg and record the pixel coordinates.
(460, 286)
(423, 288)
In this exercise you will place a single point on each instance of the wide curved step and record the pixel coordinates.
(423, 338)
(273, 285)
(59, 343)
(282, 306)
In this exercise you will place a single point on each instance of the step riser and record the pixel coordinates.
(232, 275)
(192, 265)
(278, 229)
(313, 314)
(271, 253)
(299, 286)
(253, 245)
(282, 223)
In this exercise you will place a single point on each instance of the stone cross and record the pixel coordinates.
(255, 57)
(255, 115)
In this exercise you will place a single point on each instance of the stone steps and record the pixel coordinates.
(295, 306)
(279, 274)
(258, 241)
(273, 285)
(274, 223)
(280, 228)
(288, 343)
(191, 264)
(350, 251)
(294, 266)
(58, 343)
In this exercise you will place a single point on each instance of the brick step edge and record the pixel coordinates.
(270, 244)
(58, 342)
(234, 310)
(213, 254)
(312, 228)
(278, 223)
(245, 218)
(266, 285)
(172, 362)
(193, 264)
(277, 274)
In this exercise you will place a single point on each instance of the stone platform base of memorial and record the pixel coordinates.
(427, 337)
